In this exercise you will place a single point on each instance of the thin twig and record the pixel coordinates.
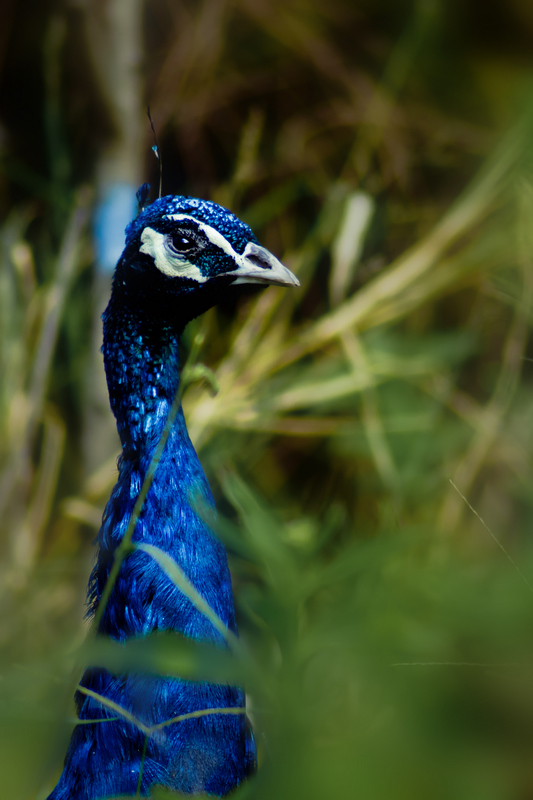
(485, 664)
(54, 304)
(148, 730)
(141, 768)
(500, 545)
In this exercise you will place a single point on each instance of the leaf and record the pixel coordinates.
(179, 579)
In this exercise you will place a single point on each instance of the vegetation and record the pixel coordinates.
(370, 441)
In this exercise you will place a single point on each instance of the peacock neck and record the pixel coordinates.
(141, 359)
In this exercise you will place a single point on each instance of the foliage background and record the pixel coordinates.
(383, 150)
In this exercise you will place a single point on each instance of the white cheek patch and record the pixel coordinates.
(155, 244)
(255, 265)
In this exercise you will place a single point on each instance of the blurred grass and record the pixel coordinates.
(384, 152)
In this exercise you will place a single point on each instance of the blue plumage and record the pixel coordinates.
(182, 256)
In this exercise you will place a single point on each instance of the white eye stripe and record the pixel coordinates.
(214, 236)
(155, 244)
(255, 265)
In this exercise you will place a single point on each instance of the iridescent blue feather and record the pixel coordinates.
(171, 270)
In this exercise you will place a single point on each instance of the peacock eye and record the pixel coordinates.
(182, 243)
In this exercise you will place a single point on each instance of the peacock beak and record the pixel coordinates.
(258, 265)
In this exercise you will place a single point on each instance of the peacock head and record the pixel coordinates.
(186, 254)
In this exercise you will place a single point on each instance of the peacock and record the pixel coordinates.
(182, 255)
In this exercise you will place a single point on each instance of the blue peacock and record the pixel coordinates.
(182, 256)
